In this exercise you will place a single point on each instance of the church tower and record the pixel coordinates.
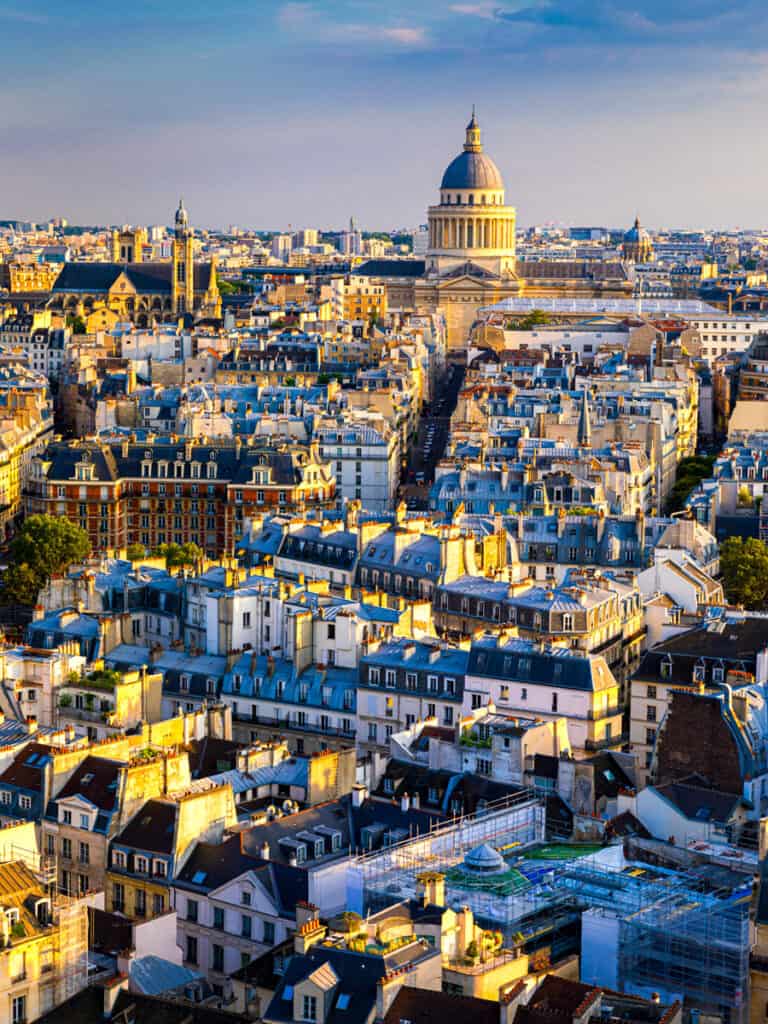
(183, 284)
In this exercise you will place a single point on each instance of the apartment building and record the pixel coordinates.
(165, 491)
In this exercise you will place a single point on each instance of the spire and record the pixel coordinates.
(637, 221)
(584, 434)
(473, 143)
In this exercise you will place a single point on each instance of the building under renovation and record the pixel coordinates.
(637, 927)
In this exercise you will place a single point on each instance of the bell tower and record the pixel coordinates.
(183, 282)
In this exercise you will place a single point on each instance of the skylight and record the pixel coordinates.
(199, 877)
(343, 1002)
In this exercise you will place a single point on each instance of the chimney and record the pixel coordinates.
(405, 803)
(264, 850)
(431, 887)
(359, 795)
(112, 989)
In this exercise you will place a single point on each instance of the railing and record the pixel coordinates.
(292, 724)
(601, 713)
(607, 741)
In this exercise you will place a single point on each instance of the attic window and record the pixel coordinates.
(88, 777)
(288, 992)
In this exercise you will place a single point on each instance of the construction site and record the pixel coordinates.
(44, 935)
(637, 927)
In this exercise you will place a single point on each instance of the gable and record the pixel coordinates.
(122, 285)
(261, 900)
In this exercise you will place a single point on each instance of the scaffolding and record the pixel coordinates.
(640, 929)
(71, 916)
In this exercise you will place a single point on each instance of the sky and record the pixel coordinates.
(272, 113)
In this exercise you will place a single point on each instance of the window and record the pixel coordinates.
(554, 702)
(217, 957)
(218, 918)
(66, 849)
(191, 956)
(84, 821)
(245, 897)
(245, 926)
(309, 1008)
(25, 802)
(652, 693)
(85, 853)
(477, 701)
(158, 904)
(372, 732)
(19, 1010)
(650, 736)
(269, 933)
(650, 713)
(141, 903)
(141, 865)
(118, 898)
(484, 766)
(191, 910)
(160, 868)
(246, 620)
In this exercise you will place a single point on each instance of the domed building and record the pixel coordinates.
(471, 259)
(471, 223)
(637, 246)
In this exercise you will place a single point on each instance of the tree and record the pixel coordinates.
(135, 552)
(744, 569)
(690, 473)
(177, 555)
(536, 318)
(76, 323)
(43, 546)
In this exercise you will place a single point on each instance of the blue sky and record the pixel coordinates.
(269, 113)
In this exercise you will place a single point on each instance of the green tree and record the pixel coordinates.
(744, 569)
(690, 473)
(225, 287)
(76, 323)
(43, 546)
(536, 318)
(177, 555)
(135, 552)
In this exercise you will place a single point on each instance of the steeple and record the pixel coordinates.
(473, 143)
(584, 434)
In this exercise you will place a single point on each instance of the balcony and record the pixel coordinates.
(607, 742)
(293, 726)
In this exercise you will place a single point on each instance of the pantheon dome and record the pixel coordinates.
(471, 224)
(472, 168)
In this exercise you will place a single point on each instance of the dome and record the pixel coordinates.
(485, 860)
(472, 170)
(636, 233)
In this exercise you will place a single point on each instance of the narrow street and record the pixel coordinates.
(431, 440)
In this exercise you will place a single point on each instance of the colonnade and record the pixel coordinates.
(465, 232)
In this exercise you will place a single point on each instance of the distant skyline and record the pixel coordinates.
(266, 114)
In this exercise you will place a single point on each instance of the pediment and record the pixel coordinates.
(122, 285)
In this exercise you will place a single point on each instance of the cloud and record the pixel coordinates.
(479, 10)
(406, 36)
(308, 20)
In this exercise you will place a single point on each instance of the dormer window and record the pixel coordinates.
(666, 668)
(718, 674)
(699, 673)
(184, 683)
